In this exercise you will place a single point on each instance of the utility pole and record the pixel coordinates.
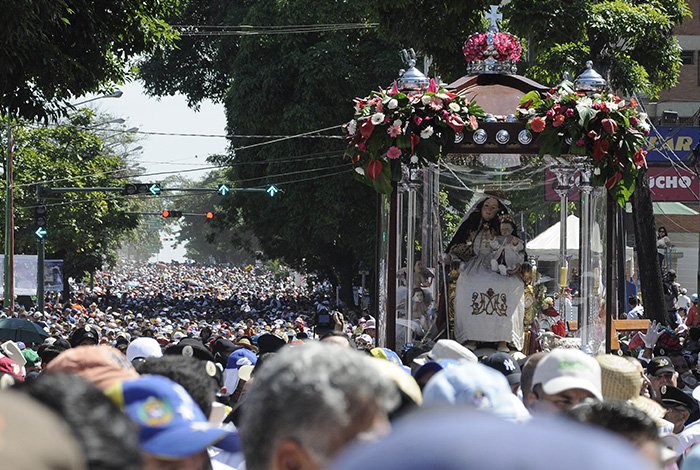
(9, 295)
(40, 254)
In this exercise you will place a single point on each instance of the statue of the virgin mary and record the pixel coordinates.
(488, 307)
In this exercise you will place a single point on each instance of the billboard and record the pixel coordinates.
(25, 275)
(672, 144)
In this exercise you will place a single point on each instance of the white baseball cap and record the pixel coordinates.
(565, 369)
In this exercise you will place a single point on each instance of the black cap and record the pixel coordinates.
(660, 365)
(268, 343)
(88, 332)
(673, 396)
(190, 347)
(504, 364)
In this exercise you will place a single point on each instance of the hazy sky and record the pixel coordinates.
(168, 153)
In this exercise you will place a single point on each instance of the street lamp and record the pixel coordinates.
(116, 94)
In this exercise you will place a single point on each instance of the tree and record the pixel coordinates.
(224, 238)
(84, 229)
(633, 46)
(55, 51)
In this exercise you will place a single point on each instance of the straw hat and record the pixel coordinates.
(622, 380)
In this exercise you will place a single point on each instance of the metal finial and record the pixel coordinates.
(412, 78)
(590, 81)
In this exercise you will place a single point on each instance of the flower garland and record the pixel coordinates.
(394, 127)
(505, 47)
(609, 129)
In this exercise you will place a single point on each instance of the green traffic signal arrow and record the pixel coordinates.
(272, 190)
(154, 189)
(40, 232)
(223, 189)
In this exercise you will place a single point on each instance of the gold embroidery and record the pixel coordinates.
(489, 303)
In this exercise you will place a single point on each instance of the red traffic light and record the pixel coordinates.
(209, 215)
(165, 213)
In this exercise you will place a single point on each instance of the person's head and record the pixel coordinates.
(87, 410)
(661, 371)
(527, 373)
(188, 372)
(418, 295)
(662, 232)
(476, 386)
(565, 378)
(35, 437)
(173, 431)
(624, 420)
(490, 208)
(336, 337)
(307, 402)
(506, 365)
(679, 406)
(632, 300)
(370, 328)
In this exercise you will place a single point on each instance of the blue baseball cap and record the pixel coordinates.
(171, 425)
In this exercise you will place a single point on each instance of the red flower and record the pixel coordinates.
(609, 126)
(640, 158)
(455, 122)
(558, 120)
(538, 124)
(592, 134)
(355, 159)
(600, 149)
(367, 128)
(374, 169)
(613, 180)
(414, 141)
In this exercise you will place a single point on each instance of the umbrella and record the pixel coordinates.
(16, 329)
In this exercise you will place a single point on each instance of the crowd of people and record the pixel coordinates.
(168, 366)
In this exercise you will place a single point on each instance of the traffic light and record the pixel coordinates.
(141, 188)
(40, 219)
(209, 215)
(272, 190)
(168, 214)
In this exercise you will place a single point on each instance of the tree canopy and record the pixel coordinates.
(54, 51)
(84, 229)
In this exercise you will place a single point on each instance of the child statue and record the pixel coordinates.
(508, 250)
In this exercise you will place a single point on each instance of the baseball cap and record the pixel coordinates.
(190, 347)
(477, 386)
(673, 396)
(506, 365)
(660, 365)
(237, 359)
(565, 369)
(8, 366)
(143, 347)
(446, 349)
(171, 424)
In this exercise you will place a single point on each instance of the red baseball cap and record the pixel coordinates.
(8, 366)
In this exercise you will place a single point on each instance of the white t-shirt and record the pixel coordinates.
(683, 302)
(636, 313)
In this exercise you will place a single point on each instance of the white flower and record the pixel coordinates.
(454, 107)
(393, 103)
(427, 132)
(426, 99)
(611, 105)
(359, 170)
(377, 118)
(532, 111)
(414, 158)
(398, 123)
(352, 127)
(643, 123)
(596, 171)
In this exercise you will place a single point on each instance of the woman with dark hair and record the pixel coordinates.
(488, 307)
(663, 244)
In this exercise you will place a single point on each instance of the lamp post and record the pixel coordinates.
(9, 293)
(115, 94)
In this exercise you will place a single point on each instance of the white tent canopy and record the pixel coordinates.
(545, 246)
